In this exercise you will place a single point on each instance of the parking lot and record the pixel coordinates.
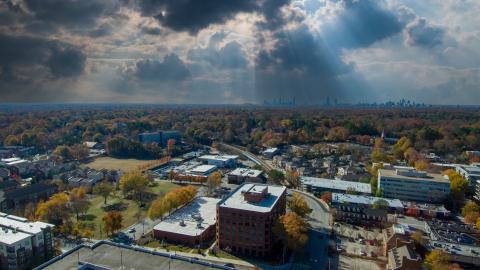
(359, 241)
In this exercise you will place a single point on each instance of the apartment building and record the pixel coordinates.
(245, 219)
(24, 244)
(413, 185)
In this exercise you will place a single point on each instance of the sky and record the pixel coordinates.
(239, 51)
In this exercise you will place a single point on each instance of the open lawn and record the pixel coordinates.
(109, 163)
(128, 208)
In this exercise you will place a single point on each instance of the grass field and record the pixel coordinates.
(128, 208)
(109, 163)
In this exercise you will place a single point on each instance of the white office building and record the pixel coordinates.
(413, 185)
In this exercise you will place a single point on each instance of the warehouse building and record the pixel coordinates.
(318, 185)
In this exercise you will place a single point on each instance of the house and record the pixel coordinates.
(395, 237)
(403, 258)
(18, 197)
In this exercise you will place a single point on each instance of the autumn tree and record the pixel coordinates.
(55, 210)
(437, 260)
(326, 197)
(292, 230)
(293, 177)
(133, 185)
(458, 186)
(103, 189)
(298, 205)
(214, 180)
(380, 204)
(112, 222)
(170, 146)
(471, 212)
(172, 200)
(401, 146)
(77, 201)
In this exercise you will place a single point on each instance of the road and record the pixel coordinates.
(317, 246)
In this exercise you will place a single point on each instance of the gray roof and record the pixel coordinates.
(365, 200)
(336, 184)
(107, 254)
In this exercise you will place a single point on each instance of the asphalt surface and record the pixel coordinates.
(317, 246)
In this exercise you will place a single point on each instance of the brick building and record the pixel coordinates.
(245, 219)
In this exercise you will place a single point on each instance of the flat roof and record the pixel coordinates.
(110, 255)
(245, 172)
(431, 177)
(470, 169)
(10, 237)
(22, 224)
(367, 200)
(336, 184)
(202, 168)
(270, 150)
(236, 199)
(219, 157)
(184, 221)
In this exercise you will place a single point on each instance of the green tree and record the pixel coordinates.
(276, 176)
(103, 189)
(380, 204)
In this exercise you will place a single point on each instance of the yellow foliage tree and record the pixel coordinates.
(298, 205)
(292, 230)
(437, 260)
(214, 180)
(172, 200)
(55, 210)
(112, 222)
(133, 184)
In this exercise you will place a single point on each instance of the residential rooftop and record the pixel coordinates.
(365, 200)
(245, 172)
(396, 255)
(22, 224)
(336, 184)
(192, 219)
(408, 174)
(11, 236)
(236, 199)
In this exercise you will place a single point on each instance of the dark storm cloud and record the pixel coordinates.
(71, 12)
(193, 15)
(361, 23)
(230, 56)
(300, 67)
(171, 68)
(309, 68)
(421, 33)
(23, 53)
(154, 31)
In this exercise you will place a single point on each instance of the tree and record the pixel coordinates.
(172, 200)
(401, 146)
(79, 151)
(471, 212)
(63, 152)
(437, 260)
(380, 204)
(293, 177)
(276, 176)
(326, 197)
(112, 222)
(170, 146)
(351, 191)
(55, 210)
(292, 230)
(103, 189)
(214, 180)
(133, 185)
(458, 186)
(298, 205)
(77, 201)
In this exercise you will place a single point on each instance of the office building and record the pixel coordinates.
(469, 172)
(221, 161)
(319, 185)
(245, 219)
(413, 185)
(160, 137)
(172, 134)
(24, 244)
(192, 225)
(240, 175)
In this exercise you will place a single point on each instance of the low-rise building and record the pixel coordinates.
(413, 185)
(364, 209)
(395, 237)
(271, 152)
(240, 175)
(16, 198)
(24, 244)
(246, 217)
(403, 258)
(469, 172)
(192, 225)
(221, 161)
(318, 185)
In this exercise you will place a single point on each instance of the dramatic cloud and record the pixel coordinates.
(22, 53)
(171, 68)
(421, 33)
(219, 51)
